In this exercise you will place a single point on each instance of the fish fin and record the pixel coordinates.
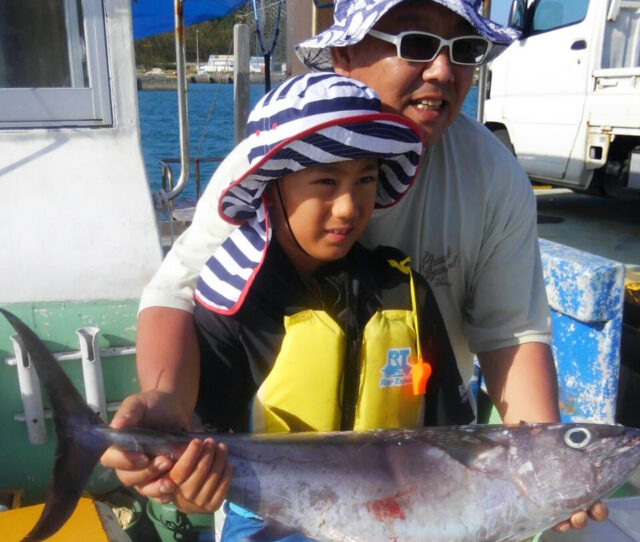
(78, 449)
(480, 460)
(271, 532)
(295, 424)
(468, 446)
(73, 467)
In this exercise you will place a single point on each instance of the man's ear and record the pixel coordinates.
(341, 59)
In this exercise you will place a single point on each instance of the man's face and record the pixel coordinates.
(429, 93)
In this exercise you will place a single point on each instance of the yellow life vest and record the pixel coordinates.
(305, 382)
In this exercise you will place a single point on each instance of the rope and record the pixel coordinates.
(214, 98)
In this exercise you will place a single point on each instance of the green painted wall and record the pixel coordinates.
(26, 466)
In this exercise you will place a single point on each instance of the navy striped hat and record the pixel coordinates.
(352, 20)
(316, 118)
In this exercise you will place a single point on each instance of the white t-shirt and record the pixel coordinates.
(468, 223)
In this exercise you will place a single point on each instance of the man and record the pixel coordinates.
(469, 225)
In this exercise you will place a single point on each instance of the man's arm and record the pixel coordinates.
(168, 371)
(168, 358)
(522, 382)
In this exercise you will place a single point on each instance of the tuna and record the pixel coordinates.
(442, 484)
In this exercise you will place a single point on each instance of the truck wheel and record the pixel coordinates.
(503, 135)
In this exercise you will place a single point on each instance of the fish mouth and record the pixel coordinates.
(631, 441)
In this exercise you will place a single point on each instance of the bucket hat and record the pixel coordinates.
(353, 19)
(312, 119)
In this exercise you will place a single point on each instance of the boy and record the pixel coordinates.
(301, 328)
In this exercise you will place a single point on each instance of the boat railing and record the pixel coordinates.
(167, 172)
(177, 214)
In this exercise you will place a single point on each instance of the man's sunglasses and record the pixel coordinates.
(424, 47)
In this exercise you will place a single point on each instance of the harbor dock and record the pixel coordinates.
(168, 82)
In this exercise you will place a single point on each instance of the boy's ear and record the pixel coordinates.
(269, 195)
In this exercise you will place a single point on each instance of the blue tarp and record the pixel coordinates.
(152, 17)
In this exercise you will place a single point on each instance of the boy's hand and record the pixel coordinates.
(597, 512)
(153, 409)
(202, 475)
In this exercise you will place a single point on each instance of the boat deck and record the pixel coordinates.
(602, 226)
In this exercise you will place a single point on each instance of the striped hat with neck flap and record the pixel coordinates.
(312, 119)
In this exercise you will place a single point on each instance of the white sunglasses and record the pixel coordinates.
(418, 46)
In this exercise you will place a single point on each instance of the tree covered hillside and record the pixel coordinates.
(214, 38)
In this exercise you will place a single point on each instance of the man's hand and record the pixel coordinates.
(168, 364)
(152, 409)
(202, 475)
(597, 512)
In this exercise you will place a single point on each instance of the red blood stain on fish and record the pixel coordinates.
(386, 510)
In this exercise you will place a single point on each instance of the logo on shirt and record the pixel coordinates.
(397, 370)
(436, 268)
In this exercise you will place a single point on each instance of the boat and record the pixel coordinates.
(80, 234)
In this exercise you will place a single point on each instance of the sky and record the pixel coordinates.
(500, 10)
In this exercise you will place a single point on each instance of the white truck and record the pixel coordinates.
(565, 97)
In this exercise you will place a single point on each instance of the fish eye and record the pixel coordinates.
(577, 437)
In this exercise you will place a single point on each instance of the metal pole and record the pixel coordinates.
(240, 80)
(30, 391)
(482, 74)
(197, 52)
(183, 118)
(92, 370)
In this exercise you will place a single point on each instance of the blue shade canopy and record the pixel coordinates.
(152, 17)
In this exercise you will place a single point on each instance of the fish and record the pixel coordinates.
(493, 483)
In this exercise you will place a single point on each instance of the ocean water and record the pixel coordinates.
(210, 128)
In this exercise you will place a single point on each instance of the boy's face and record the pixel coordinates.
(328, 207)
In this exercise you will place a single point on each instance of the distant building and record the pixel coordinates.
(217, 63)
(225, 63)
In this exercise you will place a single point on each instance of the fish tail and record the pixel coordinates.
(79, 448)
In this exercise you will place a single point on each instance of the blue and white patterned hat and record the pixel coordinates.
(352, 20)
(316, 118)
